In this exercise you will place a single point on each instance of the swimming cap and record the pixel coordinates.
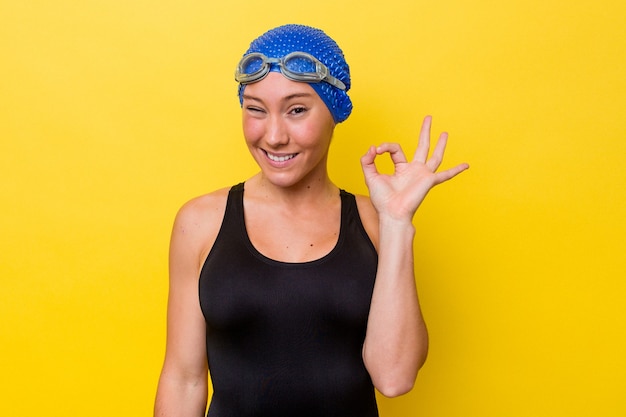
(280, 41)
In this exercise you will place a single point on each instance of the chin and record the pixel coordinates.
(281, 181)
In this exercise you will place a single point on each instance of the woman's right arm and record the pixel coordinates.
(182, 388)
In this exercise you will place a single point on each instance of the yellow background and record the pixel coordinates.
(113, 113)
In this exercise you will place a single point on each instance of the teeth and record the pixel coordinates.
(276, 158)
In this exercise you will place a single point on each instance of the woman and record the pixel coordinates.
(298, 296)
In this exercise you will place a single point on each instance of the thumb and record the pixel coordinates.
(367, 162)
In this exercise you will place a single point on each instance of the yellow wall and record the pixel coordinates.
(115, 112)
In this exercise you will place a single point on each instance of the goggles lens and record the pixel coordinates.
(252, 64)
(296, 66)
(301, 64)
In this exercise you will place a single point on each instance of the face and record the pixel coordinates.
(288, 130)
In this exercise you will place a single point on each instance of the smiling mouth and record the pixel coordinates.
(280, 158)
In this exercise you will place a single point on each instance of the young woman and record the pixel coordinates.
(298, 296)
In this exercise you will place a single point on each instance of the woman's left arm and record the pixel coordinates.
(396, 341)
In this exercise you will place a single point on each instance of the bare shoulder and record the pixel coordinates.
(369, 217)
(197, 224)
(203, 210)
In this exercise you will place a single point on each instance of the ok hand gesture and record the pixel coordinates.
(400, 194)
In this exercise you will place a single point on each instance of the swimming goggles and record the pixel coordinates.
(296, 66)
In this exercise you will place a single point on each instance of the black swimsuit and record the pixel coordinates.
(285, 339)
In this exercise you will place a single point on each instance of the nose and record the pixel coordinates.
(277, 133)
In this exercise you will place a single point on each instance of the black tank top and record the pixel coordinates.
(285, 339)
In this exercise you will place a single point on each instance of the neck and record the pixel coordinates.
(311, 192)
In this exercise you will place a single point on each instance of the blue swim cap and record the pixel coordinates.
(280, 41)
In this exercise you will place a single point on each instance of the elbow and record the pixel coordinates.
(394, 374)
(395, 381)
(394, 384)
(395, 388)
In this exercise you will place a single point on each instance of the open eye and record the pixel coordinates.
(298, 110)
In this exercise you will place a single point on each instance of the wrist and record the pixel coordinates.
(395, 225)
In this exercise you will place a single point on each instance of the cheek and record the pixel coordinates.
(317, 134)
(252, 129)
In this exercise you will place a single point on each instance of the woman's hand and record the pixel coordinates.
(400, 194)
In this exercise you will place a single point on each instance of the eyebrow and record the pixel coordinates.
(287, 98)
(297, 95)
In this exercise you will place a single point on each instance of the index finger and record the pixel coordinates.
(395, 152)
